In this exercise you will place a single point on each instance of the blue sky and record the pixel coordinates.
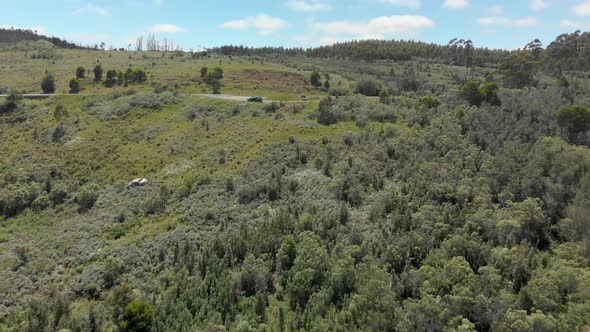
(198, 24)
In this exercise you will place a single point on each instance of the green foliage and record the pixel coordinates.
(74, 85)
(470, 92)
(87, 196)
(368, 86)
(315, 79)
(97, 73)
(135, 76)
(517, 70)
(489, 93)
(137, 317)
(476, 94)
(48, 84)
(430, 101)
(80, 72)
(574, 120)
(11, 102)
(325, 114)
(203, 71)
(111, 78)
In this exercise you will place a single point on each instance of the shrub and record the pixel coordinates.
(326, 115)
(315, 79)
(48, 83)
(12, 100)
(111, 79)
(368, 86)
(271, 107)
(137, 317)
(203, 71)
(74, 85)
(574, 120)
(430, 101)
(489, 93)
(58, 133)
(87, 196)
(80, 72)
(97, 73)
(135, 76)
(470, 92)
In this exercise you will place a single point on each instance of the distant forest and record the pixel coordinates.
(13, 36)
(567, 52)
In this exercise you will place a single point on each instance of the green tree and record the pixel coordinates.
(98, 73)
(111, 78)
(470, 92)
(87, 196)
(517, 70)
(203, 71)
(80, 72)
(74, 85)
(137, 317)
(316, 79)
(430, 101)
(13, 98)
(574, 120)
(48, 83)
(489, 93)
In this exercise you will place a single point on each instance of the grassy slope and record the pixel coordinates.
(243, 76)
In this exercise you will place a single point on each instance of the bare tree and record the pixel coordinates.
(139, 44)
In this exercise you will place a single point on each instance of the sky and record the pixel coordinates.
(200, 24)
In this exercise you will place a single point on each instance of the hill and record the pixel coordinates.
(11, 37)
(401, 196)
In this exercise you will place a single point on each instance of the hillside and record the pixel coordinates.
(11, 37)
(398, 196)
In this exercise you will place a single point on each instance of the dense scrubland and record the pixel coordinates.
(408, 195)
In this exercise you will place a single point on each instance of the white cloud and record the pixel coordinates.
(456, 4)
(496, 10)
(539, 4)
(496, 20)
(307, 6)
(583, 8)
(93, 9)
(402, 25)
(265, 24)
(412, 4)
(383, 27)
(574, 24)
(167, 28)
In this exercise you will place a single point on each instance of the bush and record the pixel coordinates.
(137, 317)
(574, 120)
(135, 76)
(315, 79)
(80, 72)
(325, 114)
(48, 84)
(97, 73)
(111, 79)
(470, 92)
(12, 100)
(203, 71)
(489, 93)
(368, 86)
(58, 133)
(87, 196)
(430, 101)
(74, 85)
(271, 107)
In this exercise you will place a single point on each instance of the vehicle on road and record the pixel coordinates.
(255, 99)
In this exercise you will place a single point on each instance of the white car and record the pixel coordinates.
(137, 183)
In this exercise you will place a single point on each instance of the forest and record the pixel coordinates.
(421, 188)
